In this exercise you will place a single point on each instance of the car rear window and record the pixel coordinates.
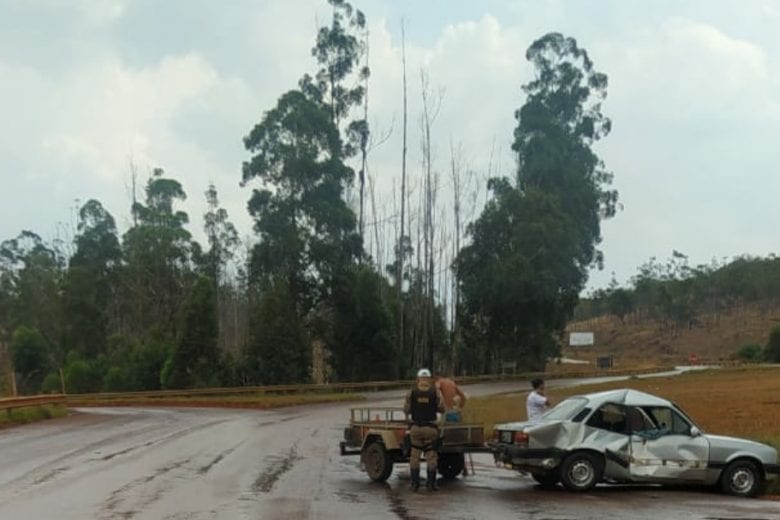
(566, 409)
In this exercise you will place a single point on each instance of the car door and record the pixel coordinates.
(606, 432)
(665, 447)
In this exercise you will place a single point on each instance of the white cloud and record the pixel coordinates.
(690, 70)
(678, 90)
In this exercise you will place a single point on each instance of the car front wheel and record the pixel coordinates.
(742, 478)
(581, 471)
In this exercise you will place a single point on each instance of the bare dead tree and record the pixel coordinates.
(399, 253)
(431, 104)
(363, 146)
(456, 160)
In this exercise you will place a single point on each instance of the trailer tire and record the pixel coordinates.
(451, 465)
(378, 462)
(546, 480)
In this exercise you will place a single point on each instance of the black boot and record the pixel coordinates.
(415, 479)
(431, 482)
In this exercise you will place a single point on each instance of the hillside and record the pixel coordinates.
(641, 341)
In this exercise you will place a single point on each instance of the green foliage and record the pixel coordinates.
(535, 240)
(30, 354)
(87, 288)
(362, 345)
(32, 414)
(52, 384)
(772, 351)
(279, 349)
(82, 377)
(195, 358)
(677, 294)
(752, 353)
(157, 254)
(222, 237)
(117, 380)
(307, 231)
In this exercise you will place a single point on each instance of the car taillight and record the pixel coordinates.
(520, 438)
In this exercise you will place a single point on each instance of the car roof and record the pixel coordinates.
(626, 396)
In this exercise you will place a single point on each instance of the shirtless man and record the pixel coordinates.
(449, 390)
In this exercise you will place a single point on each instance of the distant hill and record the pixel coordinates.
(712, 336)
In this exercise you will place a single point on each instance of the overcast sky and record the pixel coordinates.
(87, 86)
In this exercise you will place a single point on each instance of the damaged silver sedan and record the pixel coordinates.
(627, 436)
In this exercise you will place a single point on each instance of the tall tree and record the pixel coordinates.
(535, 240)
(157, 253)
(90, 288)
(195, 359)
(221, 235)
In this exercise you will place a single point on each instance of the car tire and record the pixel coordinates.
(378, 462)
(450, 465)
(581, 471)
(742, 478)
(546, 480)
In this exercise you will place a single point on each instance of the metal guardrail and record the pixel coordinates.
(366, 386)
(13, 403)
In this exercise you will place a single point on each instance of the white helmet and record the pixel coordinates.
(423, 372)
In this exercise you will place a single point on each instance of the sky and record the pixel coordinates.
(90, 89)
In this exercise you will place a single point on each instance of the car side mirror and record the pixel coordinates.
(695, 432)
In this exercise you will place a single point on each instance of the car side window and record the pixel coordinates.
(668, 421)
(611, 417)
(638, 421)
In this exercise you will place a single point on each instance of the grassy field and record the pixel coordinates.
(256, 401)
(31, 414)
(742, 402)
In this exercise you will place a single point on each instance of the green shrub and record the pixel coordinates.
(751, 352)
(51, 384)
(82, 377)
(772, 351)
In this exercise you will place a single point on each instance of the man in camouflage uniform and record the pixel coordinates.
(423, 402)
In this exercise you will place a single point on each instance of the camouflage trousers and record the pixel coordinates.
(424, 439)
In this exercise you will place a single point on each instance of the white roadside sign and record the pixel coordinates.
(580, 339)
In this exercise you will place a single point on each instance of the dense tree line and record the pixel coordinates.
(152, 308)
(676, 295)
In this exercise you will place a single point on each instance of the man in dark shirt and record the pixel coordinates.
(423, 402)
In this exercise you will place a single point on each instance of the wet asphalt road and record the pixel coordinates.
(208, 464)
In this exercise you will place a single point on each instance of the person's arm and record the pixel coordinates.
(440, 400)
(408, 404)
(462, 395)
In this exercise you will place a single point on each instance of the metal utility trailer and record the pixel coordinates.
(380, 435)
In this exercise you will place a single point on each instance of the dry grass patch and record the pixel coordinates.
(31, 414)
(740, 401)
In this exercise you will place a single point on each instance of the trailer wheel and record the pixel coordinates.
(546, 480)
(379, 463)
(450, 465)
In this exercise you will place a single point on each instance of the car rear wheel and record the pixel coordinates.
(450, 465)
(546, 480)
(742, 478)
(581, 471)
(379, 463)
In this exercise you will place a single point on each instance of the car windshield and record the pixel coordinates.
(566, 409)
